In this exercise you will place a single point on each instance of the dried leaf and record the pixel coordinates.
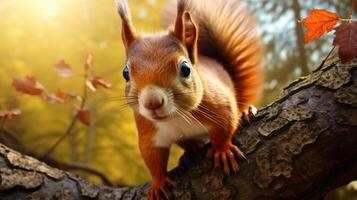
(64, 69)
(62, 94)
(59, 97)
(28, 85)
(73, 95)
(319, 22)
(89, 62)
(10, 114)
(84, 116)
(53, 98)
(99, 81)
(90, 85)
(346, 39)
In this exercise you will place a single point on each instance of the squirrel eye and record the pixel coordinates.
(185, 69)
(126, 73)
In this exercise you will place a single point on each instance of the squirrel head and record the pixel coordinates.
(162, 80)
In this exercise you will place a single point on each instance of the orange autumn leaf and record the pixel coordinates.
(84, 116)
(53, 98)
(62, 94)
(10, 114)
(59, 97)
(64, 69)
(65, 95)
(73, 95)
(319, 22)
(93, 83)
(99, 81)
(90, 85)
(28, 85)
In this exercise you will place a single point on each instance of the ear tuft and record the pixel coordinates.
(186, 29)
(181, 6)
(123, 9)
(128, 30)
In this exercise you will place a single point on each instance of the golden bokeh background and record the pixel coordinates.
(34, 36)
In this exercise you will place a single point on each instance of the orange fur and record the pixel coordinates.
(229, 35)
(218, 40)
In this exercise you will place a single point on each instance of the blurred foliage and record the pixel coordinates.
(36, 34)
(278, 22)
(348, 192)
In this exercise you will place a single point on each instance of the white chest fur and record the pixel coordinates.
(174, 130)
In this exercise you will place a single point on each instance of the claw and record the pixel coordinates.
(159, 191)
(238, 152)
(156, 195)
(233, 162)
(225, 158)
(171, 182)
(225, 163)
(165, 192)
(216, 160)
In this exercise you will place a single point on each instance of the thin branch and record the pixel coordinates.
(352, 8)
(348, 20)
(90, 141)
(59, 141)
(325, 59)
(11, 134)
(74, 118)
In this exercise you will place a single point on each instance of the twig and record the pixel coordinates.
(68, 131)
(325, 59)
(74, 119)
(348, 20)
(90, 142)
(352, 8)
(11, 134)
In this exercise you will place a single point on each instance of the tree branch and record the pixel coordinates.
(299, 147)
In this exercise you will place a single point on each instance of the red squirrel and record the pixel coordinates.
(190, 85)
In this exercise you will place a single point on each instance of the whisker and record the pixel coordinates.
(210, 117)
(187, 114)
(194, 118)
(183, 116)
(209, 112)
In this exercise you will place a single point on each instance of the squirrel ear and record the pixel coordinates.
(186, 31)
(128, 30)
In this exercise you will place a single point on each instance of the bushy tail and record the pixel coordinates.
(228, 33)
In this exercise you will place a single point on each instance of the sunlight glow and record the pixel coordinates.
(49, 8)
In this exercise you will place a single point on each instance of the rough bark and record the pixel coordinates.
(299, 147)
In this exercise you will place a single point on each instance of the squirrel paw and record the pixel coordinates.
(222, 156)
(159, 191)
(248, 115)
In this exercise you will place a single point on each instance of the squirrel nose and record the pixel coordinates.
(154, 103)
